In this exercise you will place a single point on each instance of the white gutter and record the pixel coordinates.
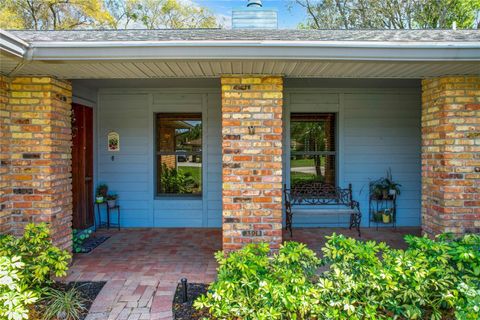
(12, 44)
(250, 50)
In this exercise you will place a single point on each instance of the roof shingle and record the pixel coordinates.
(250, 35)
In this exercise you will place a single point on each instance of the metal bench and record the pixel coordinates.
(321, 194)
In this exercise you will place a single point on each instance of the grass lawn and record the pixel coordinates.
(300, 177)
(194, 172)
(295, 163)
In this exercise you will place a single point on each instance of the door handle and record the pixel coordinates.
(88, 178)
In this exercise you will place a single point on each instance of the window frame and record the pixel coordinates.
(157, 154)
(310, 116)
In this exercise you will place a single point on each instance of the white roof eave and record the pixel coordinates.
(250, 50)
(12, 44)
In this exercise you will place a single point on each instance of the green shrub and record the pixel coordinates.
(432, 279)
(64, 304)
(173, 180)
(14, 296)
(41, 259)
(27, 265)
(253, 285)
(78, 238)
(373, 280)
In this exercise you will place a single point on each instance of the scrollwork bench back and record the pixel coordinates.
(321, 194)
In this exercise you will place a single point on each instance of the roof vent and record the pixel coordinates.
(255, 3)
(254, 16)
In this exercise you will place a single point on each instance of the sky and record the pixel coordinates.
(288, 16)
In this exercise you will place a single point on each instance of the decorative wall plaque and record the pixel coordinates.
(113, 141)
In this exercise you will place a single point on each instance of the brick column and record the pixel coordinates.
(451, 155)
(40, 155)
(252, 160)
(5, 189)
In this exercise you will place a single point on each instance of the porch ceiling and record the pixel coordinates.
(128, 69)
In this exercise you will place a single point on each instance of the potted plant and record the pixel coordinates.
(101, 194)
(392, 188)
(377, 216)
(378, 189)
(387, 216)
(385, 188)
(112, 200)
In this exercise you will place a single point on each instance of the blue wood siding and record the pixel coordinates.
(382, 131)
(128, 174)
(377, 129)
(131, 173)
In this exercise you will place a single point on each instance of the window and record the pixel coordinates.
(179, 153)
(312, 148)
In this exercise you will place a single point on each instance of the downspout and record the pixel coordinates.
(27, 59)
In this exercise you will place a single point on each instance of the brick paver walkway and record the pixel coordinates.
(143, 266)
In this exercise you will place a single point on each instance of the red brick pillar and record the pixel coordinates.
(252, 160)
(40, 155)
(451, 155)
(5, 189)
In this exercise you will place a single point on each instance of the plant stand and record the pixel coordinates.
(107, 224)
(377, 205)
(111, 209)
(101, 224)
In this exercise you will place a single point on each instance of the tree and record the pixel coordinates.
(53, 14)
(390, 14)
(311, 137)
(174, 14)
(123, 12)
(117, 14)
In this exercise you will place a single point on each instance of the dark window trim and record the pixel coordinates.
(316, 116)
(176, 116)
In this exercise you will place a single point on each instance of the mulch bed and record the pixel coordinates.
(92, 243)
(89, 290)
(186, 311)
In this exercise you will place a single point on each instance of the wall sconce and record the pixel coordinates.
(251, 130)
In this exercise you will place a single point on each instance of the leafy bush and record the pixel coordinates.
(60, 304)
(41, 259)
(78, 238)
(14, 296)
(253, 285)
(432, 279)
(175, 181)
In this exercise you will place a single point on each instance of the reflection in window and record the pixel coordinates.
(312, 148)
(179, 154)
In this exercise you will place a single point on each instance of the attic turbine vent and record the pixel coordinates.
(254, 16)
(255, 3)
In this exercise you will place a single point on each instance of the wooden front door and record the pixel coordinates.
(82, 166)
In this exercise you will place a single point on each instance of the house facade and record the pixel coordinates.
(212, 124)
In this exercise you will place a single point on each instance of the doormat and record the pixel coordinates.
(92, 243)
(185, 310)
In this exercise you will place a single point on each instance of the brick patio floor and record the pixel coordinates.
(143, 266)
